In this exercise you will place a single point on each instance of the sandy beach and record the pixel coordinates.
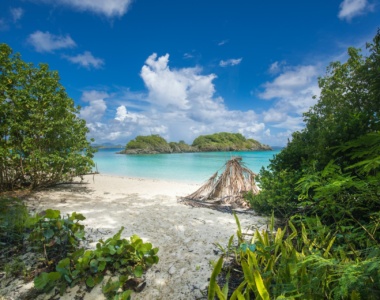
(186, 236)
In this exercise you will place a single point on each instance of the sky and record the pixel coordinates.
(181, 68)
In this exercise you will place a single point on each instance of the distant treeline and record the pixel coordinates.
(222, 141)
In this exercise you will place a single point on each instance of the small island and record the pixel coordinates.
(222, 141)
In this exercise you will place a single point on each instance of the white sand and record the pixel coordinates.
(185, 236)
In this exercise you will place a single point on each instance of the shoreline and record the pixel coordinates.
(186, 236)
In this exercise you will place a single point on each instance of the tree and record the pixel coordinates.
(348, 108)
(42, 139)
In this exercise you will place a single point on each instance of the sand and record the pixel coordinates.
(186, 236)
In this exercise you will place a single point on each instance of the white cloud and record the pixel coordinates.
(94, 111)
(289, 82)
(221, 43)
(16, 13)
(230, 62)
(121, 113)
(276, 67)
(274, 115)
(188, 55)
(292, 93)
(291, 124)
(91, 95)
(179, 104)
(174, 88)
(47, 42)
(86, 60)
(108, 8)
(96, 108)
(352, 8)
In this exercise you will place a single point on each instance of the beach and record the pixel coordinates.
(186, 236)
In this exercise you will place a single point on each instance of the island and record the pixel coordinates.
(222, 141)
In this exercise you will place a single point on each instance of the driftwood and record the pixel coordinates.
(227, 191)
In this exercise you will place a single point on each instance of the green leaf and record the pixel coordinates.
(126, 295)
(213, 284)
(248, 275)
(110, 286)
(260, 286)
(41, 281)
(145, 247)
(79, 217)
(90, 282)
(112, 249)
(102, 266)
(52, 214)
(48, 233)
(79, 234)
(138, 271)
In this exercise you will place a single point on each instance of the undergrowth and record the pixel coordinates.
(57, 241)
(300, 261)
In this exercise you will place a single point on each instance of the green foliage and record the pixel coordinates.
(225, 141)
(64, 262)
(42, 140)
(125, 258)
(329, 174)
(279, 196)
(152, 142)
(14, 218)
(301, 261)
(55, 236)
(222, 141)
(180, 147)
(348, 109)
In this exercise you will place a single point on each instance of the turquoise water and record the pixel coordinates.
(184, 167)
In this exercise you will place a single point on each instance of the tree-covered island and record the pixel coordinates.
(222, 141)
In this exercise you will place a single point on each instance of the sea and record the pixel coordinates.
(180, 167)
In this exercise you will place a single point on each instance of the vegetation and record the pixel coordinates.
(338, 130)
(215, 142)
(225, 141)
(42, 140)
(149, 144)
(181, 147)
(325, 186)
(63, 261)
(304, 260)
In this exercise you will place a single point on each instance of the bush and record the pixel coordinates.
(42, 140)
(291, 263)
(64, 262)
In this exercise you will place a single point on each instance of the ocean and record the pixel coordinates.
(183, 167)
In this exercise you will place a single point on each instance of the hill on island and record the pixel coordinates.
(222, 141)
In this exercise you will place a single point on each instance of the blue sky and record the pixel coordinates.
(185, 68)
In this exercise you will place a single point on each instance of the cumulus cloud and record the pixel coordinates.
(292, 123)
(96, 108)
(287, 83)
(174, 88)
(16, 13)
(274, 115)
(86, 60)
(292, 92)
(109, 8)
(352, 8)
(179, 104)
(121, 113)
(230, 62)
(47, 42)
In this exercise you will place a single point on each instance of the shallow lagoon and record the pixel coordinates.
(184, 167)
